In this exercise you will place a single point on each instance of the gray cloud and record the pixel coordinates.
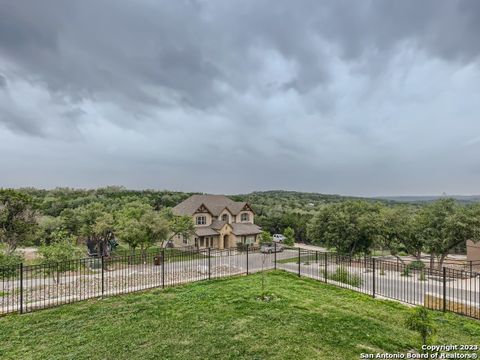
(342, 96)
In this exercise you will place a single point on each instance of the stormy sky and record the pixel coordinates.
(349, 97)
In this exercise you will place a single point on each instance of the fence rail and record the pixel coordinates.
(27, 288)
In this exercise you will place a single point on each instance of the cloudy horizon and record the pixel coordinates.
(370, 98)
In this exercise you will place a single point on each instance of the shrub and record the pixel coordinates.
(58, 258)
(419, 320)
(342, 275)
(416, 265)
(9, 264)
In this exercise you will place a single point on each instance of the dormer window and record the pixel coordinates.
(201, 220)
(225, 217)
(245, 217)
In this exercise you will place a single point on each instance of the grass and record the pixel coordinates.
(303, 259)
(223, 319)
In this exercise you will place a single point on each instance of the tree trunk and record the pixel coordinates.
(440, 261)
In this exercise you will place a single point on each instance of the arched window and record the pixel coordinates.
(225, 217)
(201, 220)
(245, 217)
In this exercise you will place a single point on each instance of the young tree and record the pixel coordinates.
(265, 237)
(96, 226)
(57, 258)
(179, 225)
(289, 234)
(17, 219)
(140, 226)
(420, 321)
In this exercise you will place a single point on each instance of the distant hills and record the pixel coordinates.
(420, 199)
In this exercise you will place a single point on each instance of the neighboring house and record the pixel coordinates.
(219, 222)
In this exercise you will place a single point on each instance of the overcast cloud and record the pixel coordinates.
(350, 97)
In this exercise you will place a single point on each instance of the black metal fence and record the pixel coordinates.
(446, 289)
(28, 288)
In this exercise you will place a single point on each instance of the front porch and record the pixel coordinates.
(214, 241)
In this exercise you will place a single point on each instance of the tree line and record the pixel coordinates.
(358, 227)
(132, 220)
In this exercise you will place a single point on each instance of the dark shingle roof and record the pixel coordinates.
(214, 203)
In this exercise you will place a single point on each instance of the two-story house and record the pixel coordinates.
(219, 222)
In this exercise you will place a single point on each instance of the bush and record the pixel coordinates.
(420, 321)
(9, 264)
(342, 275)
(57, 258)
(416, 265)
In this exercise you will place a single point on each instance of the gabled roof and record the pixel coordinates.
(218, 224)
(215, 204)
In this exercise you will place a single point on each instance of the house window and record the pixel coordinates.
(245, 217)
(201, 220)
(185, 240)
(225, 217)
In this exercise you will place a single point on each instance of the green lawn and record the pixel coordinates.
(303, 258)
(224, 319)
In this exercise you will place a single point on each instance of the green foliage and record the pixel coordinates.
(8, 264)
(265, 237)
(57, 258)
(420, 320)
(289, 234)
(17, 219)
(139, 225)
(179, 225)
(342, 275)
(416, 265)
(397, 230)
(350, 226)
(445, 224)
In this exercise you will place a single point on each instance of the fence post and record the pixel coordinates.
(209, 265)
(275, 255)
(373, 283)
(247, 259)
(163, 268)
(471, 268)
(444, 289)
(21, 288)
(316, 257)
(326, 266)
(299, 262)
(103, 276)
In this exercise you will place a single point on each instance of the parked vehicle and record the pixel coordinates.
(278, 237)
(271, 248)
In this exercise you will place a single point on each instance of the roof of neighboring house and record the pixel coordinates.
(214, 203)
(245, 229)
(205, 231)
